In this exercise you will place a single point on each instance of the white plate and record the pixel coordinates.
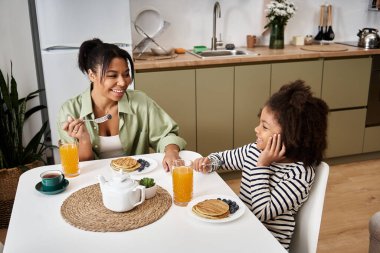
(152, 165)
(232, 217)
(150, 21)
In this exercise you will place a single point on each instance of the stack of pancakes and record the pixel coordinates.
(127, 164)
(212, 209)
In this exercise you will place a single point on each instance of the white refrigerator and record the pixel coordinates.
(62, 26)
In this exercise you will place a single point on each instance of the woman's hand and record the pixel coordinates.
(274, 151)
(171, 154)
(76, 128)
(202, 164)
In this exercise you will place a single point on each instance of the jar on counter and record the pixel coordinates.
(308, 39)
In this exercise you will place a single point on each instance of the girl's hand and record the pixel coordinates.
(202, 164)
(274, 151)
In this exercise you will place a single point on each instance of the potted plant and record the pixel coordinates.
(150, 187)
(15, 157)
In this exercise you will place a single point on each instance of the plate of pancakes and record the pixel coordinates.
(131, 165)
(211, 208)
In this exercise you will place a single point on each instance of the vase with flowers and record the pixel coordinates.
(278, 13)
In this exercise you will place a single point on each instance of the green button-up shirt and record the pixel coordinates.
(142, 123)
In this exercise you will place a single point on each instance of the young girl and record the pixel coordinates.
(278, 169)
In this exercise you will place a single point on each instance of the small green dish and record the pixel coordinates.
(199, 49)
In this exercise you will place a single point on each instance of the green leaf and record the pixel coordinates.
(147, 182)
(13, 113)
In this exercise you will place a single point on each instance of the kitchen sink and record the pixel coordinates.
(223, 53)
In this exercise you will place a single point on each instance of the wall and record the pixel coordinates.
(191, 24)
(191, 21)
(16, 46)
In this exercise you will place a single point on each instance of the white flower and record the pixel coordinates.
(280, 11)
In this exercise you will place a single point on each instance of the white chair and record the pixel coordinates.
(308, 219)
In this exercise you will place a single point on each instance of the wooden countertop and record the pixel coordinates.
(290, 52)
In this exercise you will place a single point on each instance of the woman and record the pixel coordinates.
(137, 122)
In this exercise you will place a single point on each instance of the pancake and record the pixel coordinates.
(127, 164)
(211, 209)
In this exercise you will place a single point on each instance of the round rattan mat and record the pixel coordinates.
(325, 48)
(84, 209)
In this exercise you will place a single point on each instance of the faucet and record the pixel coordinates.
(214, 40)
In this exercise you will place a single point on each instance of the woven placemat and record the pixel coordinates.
(84, 209)
(325, 48)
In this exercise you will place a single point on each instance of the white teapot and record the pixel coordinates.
(121, 193)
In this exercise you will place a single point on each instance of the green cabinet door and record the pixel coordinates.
(252, 84)
(346, 82)
(371, 139)
(308, 71)
(174, 91)
(214, 96)
(345, 132)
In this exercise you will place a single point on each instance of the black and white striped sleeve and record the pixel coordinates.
(231, 159)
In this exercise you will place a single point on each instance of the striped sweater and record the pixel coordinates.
(274, 194)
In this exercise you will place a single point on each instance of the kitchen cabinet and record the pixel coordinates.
(345, 89)
(346, 82)
(214, 98)
(217, 107)
(174, 91)
(252, 88)
(371, 139)
(345, 132)
(308, 71)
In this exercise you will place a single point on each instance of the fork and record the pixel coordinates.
(100, 119)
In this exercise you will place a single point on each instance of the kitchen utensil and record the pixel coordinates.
(319, 36)
(329, 34)
(143, 44)
(369, 38)
(100, 119)
(150, 21)
(140, 30)
(325, 23)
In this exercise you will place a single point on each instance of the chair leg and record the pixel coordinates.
(374, 233)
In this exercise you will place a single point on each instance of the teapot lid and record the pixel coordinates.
(121, 180)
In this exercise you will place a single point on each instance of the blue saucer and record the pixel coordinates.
(64, 186)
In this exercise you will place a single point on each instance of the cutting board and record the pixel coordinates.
(325, 48)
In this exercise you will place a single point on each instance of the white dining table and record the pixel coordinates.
(37, 226)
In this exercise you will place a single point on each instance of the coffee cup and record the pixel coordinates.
(52, 180)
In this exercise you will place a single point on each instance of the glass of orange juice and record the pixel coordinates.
(68, 151)
(182, 174)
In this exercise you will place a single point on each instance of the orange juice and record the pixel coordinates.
(69, 159)
(182, 185)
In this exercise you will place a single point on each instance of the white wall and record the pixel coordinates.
(16, 46)
(191, 21)
(191, 24)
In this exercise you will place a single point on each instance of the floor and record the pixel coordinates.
(352, 197)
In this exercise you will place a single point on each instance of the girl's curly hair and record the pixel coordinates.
(303, 119)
